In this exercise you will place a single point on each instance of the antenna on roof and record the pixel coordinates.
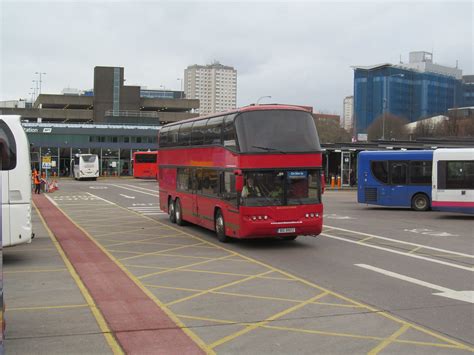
(400, 59)
(456, 64)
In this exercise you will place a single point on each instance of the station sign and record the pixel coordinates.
(46, 162)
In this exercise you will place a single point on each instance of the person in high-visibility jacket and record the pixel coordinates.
(37, 182)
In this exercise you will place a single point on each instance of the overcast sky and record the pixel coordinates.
(297, 52)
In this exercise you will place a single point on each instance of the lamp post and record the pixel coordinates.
(40, 79)
(181, 80)
(386, 100)
(263, 97)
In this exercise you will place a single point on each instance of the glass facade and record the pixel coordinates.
(405, 93)
(113, 145)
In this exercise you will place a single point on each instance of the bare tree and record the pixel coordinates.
(329, 131)
(394, 127)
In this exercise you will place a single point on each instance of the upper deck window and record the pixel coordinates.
(277, 131)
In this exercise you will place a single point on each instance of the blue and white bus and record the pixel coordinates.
(453, 180)
(395, 178)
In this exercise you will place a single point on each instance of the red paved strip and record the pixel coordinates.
(140, 326)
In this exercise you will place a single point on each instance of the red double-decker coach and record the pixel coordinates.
(249, 173)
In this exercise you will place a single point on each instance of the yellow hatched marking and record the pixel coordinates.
(386, 342)
(216, 288)
(111, 341)
(318, 332)
(414, 250)
(161, 305)
(174, 288)
(243, 258)
(264, 322)
(182, 267)
(362, 240)
(42, 308)
(34, 270)
(130, 242)
(159, 252)
(338, 305)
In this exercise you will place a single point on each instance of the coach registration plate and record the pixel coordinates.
(286, 230)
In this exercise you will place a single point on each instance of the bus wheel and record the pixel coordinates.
(220, 227)
(178, 212)
(290, 237)
(171, 210)
(420, 202)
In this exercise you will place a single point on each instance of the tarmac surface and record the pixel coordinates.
(376, 281)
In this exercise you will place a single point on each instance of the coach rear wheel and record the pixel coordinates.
(178, 211)
(220, 227)
(420, 202)
(171, 210)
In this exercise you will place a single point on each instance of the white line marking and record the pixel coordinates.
(142, 192)
(401, 253)
(52, 201)
(126, 196)
(142, 188)
(466, 296)
(403, 242)
(103, 199)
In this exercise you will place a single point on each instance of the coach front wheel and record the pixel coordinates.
(220, 227)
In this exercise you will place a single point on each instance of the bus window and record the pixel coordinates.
(213, 131)
(173, 136)
(198, 132)
(185, 134)
(229, 135)
(420, 172)
(163, 137)
(7, 148)
(380, 170)
(398, 173)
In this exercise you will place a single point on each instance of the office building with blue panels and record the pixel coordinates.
(414, 90)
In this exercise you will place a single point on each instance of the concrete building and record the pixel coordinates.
(326, 117)
(214, 85)
(110, 101)
(413, 90)
(347, 113)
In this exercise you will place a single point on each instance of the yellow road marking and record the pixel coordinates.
(248, 259)
(41, 308)
(109, 337)
(319, 332)
(34, 270)
(414, 250)
(386, 342)
(264, 322)
(158, 252)
(217, 288)
(161, 305)
(181, 267)
(362, 240)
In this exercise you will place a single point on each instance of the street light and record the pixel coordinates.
(40, 80)
(385, 101)
(263, 97)
(181, 80)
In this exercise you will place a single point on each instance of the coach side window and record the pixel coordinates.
(198, 132)
(173, 136)
(420, 172)
(213, 131)
(398, 173)
(185, 134)
(163, 137)
(229, 136)
(7, 148)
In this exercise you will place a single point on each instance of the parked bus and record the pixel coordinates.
(395, 178)
(85, 166)
(251, 172)
(15, 182)
(145, 165)
(453, 180)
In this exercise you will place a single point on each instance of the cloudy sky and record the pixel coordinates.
(297, 52)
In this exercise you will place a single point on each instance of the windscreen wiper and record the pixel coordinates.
(269, 149)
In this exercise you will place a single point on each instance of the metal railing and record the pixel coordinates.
(125, 113)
